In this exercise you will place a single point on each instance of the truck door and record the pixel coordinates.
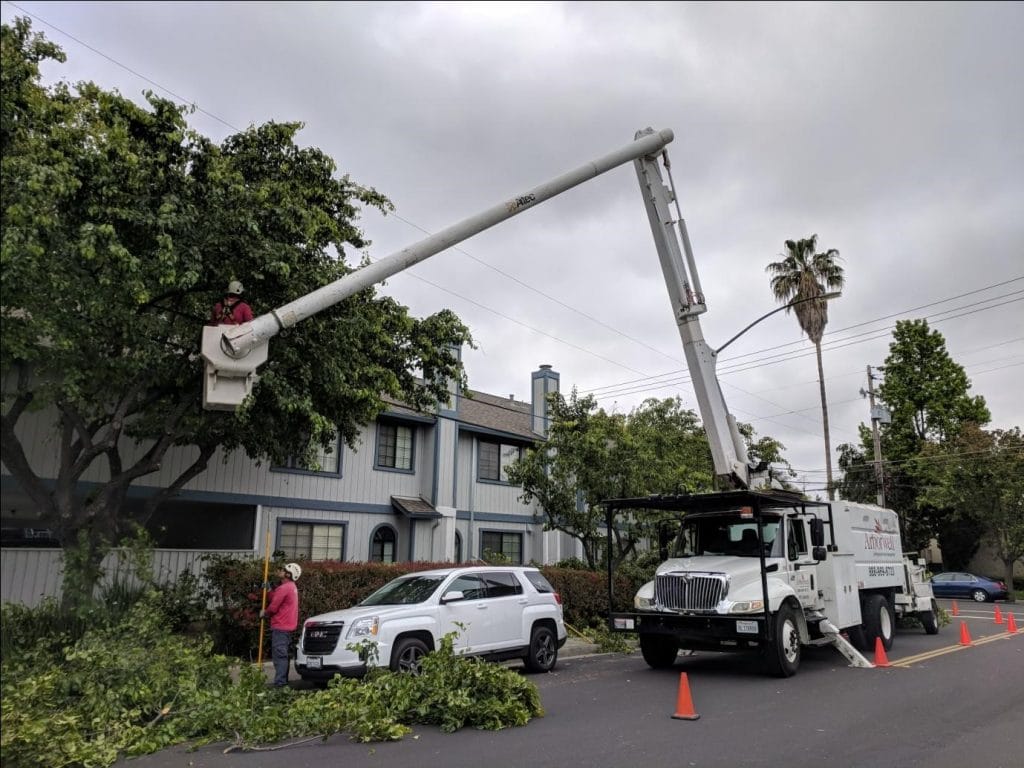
(803, 568)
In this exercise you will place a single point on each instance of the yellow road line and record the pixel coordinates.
(927, 655)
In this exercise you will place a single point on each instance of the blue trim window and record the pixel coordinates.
(502, 543)
(311, 541)
(395, 446)
(383, 544)
(325, 461)
(494, 458)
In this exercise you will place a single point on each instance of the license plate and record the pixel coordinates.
(314, 662)
(624, 623)
(747, 627)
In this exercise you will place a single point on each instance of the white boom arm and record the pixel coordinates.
(728, 451)
(233, 353)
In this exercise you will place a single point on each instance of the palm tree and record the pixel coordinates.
(801, 276)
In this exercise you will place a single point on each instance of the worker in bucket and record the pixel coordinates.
(283, 612)
(232, 309)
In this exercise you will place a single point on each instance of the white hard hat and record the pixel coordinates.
(293, 570)
(235, 288)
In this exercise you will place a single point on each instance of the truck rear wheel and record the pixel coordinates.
(782, 656)
(659, 651)
(879, 621)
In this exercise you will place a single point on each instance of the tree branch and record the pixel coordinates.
(196, 468)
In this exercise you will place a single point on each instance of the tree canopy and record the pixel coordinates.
(591, 455)
(927, 395)
(121, 227)
(979, 475)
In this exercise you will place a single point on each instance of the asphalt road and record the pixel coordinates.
(940, 704)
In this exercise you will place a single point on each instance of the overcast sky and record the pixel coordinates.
(895, 132)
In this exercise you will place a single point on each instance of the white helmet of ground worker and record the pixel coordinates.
(293, 570)
(234, 288)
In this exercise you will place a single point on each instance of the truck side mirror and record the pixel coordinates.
(818, 533)
(819, 553)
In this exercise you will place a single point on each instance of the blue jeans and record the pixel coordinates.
(280, 639)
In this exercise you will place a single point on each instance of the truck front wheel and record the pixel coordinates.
(782, 655)
(879, 621)
(659, 651)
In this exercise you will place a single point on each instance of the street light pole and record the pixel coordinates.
(822, 297)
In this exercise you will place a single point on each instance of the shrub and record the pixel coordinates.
(132, 688)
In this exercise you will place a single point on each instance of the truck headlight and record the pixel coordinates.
(642, 603)
(748, 606)
(364, 627)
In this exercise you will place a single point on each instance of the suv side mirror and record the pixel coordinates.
(450, 597)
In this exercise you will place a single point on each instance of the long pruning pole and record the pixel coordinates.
(263, 600)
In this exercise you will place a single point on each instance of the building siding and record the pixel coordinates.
(358, 496)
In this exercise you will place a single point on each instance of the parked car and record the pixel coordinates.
(960, 584)
(497, 612)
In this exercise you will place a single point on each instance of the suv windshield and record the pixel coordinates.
(405, 591)
(732, 535)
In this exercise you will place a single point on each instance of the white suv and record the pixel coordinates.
(496, 612)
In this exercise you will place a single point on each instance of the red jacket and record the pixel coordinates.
(238, 313)
(284, 607)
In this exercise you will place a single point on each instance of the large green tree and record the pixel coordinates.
(591, 455)
(800, 278)
(120, 228)
(979, 475)
(927, 395)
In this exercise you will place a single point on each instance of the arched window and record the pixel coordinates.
(382, 545)
(458, 547)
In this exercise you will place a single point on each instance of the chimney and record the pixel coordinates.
(451, 407)
(542, 383)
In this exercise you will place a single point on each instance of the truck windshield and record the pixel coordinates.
(731, 535)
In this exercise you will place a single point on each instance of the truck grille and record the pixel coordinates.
(321, 639)
(689, 591)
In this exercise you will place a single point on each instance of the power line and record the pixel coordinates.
(638, 386)
(734, 369)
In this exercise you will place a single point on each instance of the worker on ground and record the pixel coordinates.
(232, 310)
(283, 611)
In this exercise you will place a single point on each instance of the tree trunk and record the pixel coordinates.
(824, 423)
(1011, 596)
(83, 552)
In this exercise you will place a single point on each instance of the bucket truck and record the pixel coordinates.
(807, 573)
(754, 568)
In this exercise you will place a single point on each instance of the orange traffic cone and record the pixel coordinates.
(1011, 623)
(965, 636)
(881, 660)
(998, 616)
(956, 609)
(684, 704)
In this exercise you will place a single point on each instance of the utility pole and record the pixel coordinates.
(876, 416)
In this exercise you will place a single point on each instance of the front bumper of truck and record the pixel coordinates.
(697, 632)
